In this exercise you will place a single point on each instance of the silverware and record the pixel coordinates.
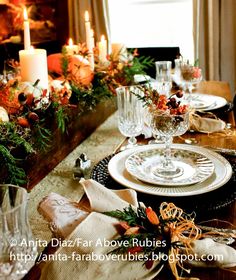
(230, 152)
(117, 148)
(220, 230)
(224, 240)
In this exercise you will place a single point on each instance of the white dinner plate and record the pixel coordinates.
(220, 176)
(207, 102)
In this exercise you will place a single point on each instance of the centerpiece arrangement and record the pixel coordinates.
(26, 108)
(34, 105)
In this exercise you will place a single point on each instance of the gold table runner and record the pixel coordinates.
(97, 146)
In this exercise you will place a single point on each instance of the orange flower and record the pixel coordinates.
(152, 216)
(124, 225)
(132, 230)
(23, 122)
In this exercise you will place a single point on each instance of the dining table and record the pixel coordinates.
(216, 206)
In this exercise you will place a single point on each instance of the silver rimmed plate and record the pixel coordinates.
(195, 165)
(220, 176)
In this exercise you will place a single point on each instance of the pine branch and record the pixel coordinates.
(61, 118)
(13, 136)
(42, 137)
(13, 174)
(90, 97)
(127, 214)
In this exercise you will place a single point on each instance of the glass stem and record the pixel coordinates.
(132, 140)
(167, 163)
(190, 90)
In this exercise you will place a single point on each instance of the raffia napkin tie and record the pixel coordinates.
(91, 232)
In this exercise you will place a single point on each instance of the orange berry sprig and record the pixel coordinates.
(160, 102)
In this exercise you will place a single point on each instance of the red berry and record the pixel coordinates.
(33, 117)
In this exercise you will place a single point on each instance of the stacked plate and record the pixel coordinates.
(203, 170)
(206, 102)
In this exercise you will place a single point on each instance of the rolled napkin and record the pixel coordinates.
(206, 123)
(91, 258)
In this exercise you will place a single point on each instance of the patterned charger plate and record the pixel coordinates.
(221, 175)
(195, 166)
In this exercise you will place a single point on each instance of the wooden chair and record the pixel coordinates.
(219, 88)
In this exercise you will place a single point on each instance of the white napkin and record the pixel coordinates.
(89, 235)
(64, 215)
(213, 254)
(96, 229)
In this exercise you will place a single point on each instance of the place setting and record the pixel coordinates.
(176, 171)
(188, 76)
(118, 158)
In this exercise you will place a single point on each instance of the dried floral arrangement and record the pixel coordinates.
(160, 237)
(25, 107)
(160, 103)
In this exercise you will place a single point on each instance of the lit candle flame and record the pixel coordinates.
(70, 42)
(102, 38)
(86, 16)
(25, 14)
(92, 33)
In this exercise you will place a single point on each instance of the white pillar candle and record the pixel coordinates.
(91, 54)
(88, 40)
(102, 48)
(34, 66)
(92, 39)
(72, 49)
(87, 31)
(26, 31)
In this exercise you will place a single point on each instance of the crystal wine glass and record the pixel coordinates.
(191, 75)
(130, 113)
(163, 77)
(169, 125)
(17, 247)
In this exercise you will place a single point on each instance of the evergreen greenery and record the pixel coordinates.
(62, 118)
(11, 172)
(28, 131)
(42, 137)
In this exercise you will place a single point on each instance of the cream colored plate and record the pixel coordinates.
(220, 176)
(195, 165)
